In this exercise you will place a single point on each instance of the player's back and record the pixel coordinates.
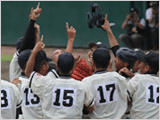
(145, 100)
(64, 98)
(31, 106)
(10, 100)
(110, 93)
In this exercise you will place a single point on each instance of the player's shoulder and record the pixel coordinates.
(6, 84)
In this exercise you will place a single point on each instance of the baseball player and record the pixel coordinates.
(31, 106)
(10, 100)
(26, 42)
(93, 46)
(134, 71)
(108, 88)
(144, 89)
(63, 97)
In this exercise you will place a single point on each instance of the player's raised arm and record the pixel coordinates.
(112, 40)
(30, 64)
(71, 32)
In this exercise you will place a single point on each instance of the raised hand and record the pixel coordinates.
(71, 32)
(39, 46)
(106, 25)
(31, 14)
(36, 12)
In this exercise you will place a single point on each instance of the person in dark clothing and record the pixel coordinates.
(135, 27)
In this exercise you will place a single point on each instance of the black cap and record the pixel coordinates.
(25, 54)
(19, 43)
(152, 59)
(42, 55)
(23, 57)
(133, 9)
(102, 57)
(98, 44)
(139, 54)
(126, 55)
(65, 62)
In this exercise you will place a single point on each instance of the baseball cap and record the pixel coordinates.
(152, 59)
(65, 62)
(98, 44)
(139, 54)
(126, 55)
(19, 43)
(42, 55)
(101, 56)
(24, 57)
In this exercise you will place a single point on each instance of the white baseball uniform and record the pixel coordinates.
(110, 93)
(10, 100)
(144, 92)
(14, 68)
(61, 98)
(31, 106)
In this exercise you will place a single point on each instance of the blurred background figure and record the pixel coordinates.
(135, 27)
(152, 16)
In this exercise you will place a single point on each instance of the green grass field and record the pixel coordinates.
(6, 58)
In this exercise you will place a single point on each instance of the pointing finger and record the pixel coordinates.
(41, 38)
(106, 17)
(31, 10)
(67, 26)
(38, 5)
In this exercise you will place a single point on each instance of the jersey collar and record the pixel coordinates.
(65, 76)
(100, 71)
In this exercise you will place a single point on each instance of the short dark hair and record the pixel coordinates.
(65, 63)
(39, 64)
(101, 58)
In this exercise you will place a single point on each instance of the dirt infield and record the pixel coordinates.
(12, 49)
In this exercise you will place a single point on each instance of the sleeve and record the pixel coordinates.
(114, 49)
(143, 22)
(28, 41)
(132, 86)
(14, 68)
(18, 97)
(89, 99)
(148, 13)
(37, 83)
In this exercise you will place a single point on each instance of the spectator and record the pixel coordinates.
(152, 16)
(144, 89)
(10, 100)
(134, 38)
(109, 88)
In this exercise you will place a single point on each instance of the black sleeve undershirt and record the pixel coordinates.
(28, 41)
(114, 49)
